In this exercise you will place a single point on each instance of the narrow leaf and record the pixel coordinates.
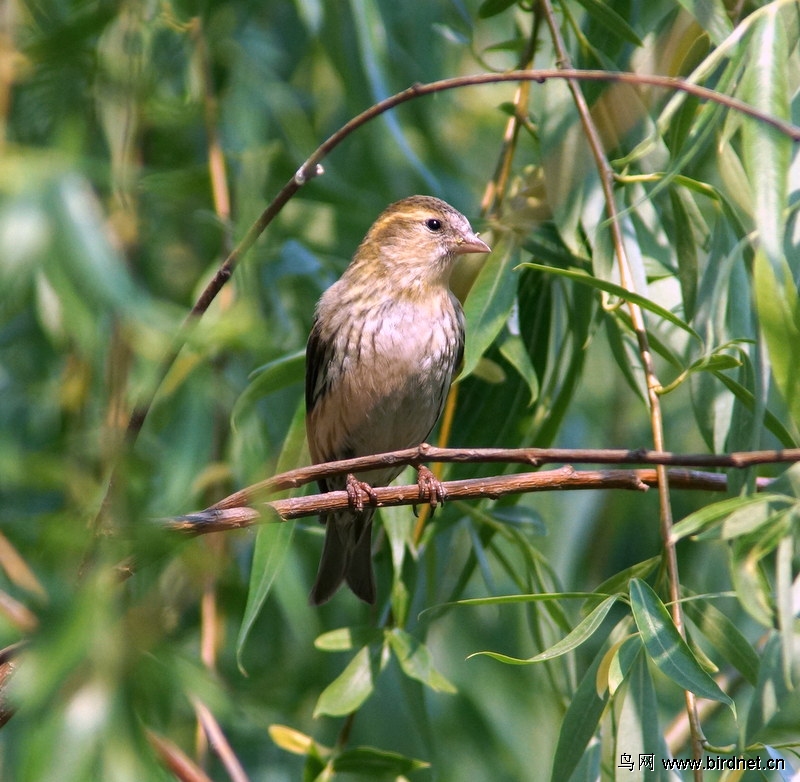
(638, 731)
(767, 152)
(616, 664)
(268, 379)
(345, 638)
(752, 586)
(512, 349)
(665, 647)
(511, 599)
(582, 632)
(725, 637)
(293, 740)
(617, 290)
(772, 691)
(604, 15)
(711, 514)
(350, 688)
(579, 724)
(784, 600)
(272, 540)
(685, 252)
(493, 7)
(373, 763)
(490, 300)
(619, 581)
(416, 661)
(746, 397)
(712, 16)
(777, 306)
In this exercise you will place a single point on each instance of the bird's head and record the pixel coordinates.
(416, 241)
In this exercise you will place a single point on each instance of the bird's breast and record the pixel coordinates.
(388, 376)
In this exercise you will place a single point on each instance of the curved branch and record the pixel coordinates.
(312, 168)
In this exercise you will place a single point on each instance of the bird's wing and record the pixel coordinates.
(318, 353)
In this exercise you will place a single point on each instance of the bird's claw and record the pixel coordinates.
(354, 487)
(431, 489)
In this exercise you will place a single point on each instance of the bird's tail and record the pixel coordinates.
(346, 556)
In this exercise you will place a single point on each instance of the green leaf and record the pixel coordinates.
(702, 519)
(95, 266)
(784, 598)
(760, 526)
(617, 663)
(493, 7)
(788, 482)
(416, 661)
(348, 691)
(398, 525)
(272, 540)
(604, 15)
(268, 379)
(522, 516)
(685, 252)
(512, 599)
(512, 349)
(450, 34)
(623, 349)
(638, 731)
(579, 724)
(779, 315)
(490, 300)
(767, 152)
(617, 290)
(752, 586)
(375, 59)
(665, 647)
(773, 692)
(724, 636)
(375, 763)
(582, 632)
(345, 638)
(746, 397)
(618, 583)
(712, 16)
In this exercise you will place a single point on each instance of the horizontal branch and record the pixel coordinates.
(533, 457)
(218, 518)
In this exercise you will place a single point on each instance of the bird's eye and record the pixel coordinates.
(433, 224)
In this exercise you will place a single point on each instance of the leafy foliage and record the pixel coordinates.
(140, 142)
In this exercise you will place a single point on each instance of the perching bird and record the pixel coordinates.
(386, 343)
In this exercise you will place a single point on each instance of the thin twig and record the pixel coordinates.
(219, 519)
(219, 744)
(175, 759)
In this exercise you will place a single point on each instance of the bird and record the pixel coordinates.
(386, 342)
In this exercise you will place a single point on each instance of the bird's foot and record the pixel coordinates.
(354, 487)
(431, 489)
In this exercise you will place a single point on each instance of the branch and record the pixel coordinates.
(227, 516)
(533, 457)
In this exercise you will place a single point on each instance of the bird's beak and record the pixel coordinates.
(470, 243)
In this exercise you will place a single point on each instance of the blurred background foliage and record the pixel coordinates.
(138, 142)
